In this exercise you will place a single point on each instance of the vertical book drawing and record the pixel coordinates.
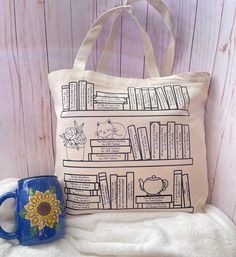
(118, 192)
(81, 96)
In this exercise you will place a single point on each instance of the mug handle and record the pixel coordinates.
(3, 233)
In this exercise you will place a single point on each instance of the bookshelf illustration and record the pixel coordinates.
(117, 192)
(79, 99)
(158, 144)
(155, 199)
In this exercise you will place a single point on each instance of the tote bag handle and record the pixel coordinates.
(96, 29)
(165, 13)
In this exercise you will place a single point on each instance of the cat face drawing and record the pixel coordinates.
(110, 130)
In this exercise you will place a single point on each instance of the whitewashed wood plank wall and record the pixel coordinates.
(38, 36)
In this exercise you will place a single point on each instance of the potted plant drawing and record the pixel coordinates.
(74, 140)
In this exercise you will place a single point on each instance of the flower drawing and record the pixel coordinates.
(74, 137)
(43, 209)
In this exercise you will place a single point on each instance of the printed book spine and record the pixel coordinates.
(186, 97)
(80, 192)
(121, 192)
(146, 99)
(113, 191)
(177, 189)
(178, 141)
(82, 94)
(171, 140)
(73, 96)
(112, 149)
(144, 145)
(186, 142)
(170, 97)
(80, 178)
(109, 100)
(179, 97)
(82, 186)
(134, 143)
(153, 205)
(66, 98)
(153, 98)
(103, 157)
(162, 99)
(108, 107)
(90, 96)
(132, 98)
(130, 189)
(83, 198)
(186, 191)
(127, 105)
(154, 199)
(104, 190)
(109, 94)
(155, 140)
(139, 97)
(110, 142)
(163, 142)
(80, 206)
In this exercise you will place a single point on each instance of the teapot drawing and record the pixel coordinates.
(153, 185)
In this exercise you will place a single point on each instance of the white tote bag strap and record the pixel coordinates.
(168, 20)
(96, 29)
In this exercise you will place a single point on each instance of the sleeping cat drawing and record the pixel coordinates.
(110, 130)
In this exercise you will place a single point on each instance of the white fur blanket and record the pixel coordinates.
(209, 234)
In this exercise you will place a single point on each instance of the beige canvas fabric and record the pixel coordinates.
(125, 144)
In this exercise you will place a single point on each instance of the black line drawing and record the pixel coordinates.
(117, 192)
(74, 140)
(154, 199)
(153, 185)
(163, 144)
(110, 130)
(80, 99)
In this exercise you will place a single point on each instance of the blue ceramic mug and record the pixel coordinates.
(39, 210)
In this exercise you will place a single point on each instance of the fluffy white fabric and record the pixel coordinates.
(209, 234)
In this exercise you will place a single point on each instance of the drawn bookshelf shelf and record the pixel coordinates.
(92, 113)
(124, 164)
(183, 209)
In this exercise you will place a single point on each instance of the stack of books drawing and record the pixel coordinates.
(81, 96)
(105, 101)
(109, 150)
(82, 191)
(93, 192)
(169, 141)
(180, 198)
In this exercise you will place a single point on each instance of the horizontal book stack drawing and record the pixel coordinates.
(89, 192)
(82, 192)
(181, 197)
(111, 101)
(109, 150)
(117, 192)
(81, 96)
(157, 144)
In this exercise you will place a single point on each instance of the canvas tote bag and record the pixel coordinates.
(125, 144)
